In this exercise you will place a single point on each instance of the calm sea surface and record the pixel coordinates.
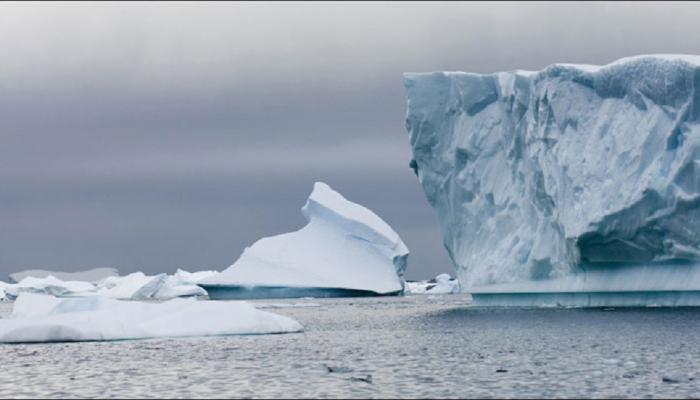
(385, 347)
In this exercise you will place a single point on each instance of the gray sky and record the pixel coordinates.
(156, 136)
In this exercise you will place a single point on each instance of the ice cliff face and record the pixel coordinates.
(538, 175)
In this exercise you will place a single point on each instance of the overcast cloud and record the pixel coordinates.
(154, 136)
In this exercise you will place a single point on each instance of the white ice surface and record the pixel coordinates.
(193, 277)
(49, 285)
(343, 246)
(138, 286)
(444, 284)
(173, 286)
(41, 318)
(124, 287)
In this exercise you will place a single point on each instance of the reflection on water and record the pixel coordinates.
(377, 347)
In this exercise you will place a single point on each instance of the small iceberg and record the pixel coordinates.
(344, 250)
(40, 318)
(441, 284)
(138, 286)
(193, 277)
(49, 285)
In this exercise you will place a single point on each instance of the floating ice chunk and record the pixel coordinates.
(138, 286)
(3, 294)
(124, 287)
(344, 250)
(416, 287)
(193, 277)
(444, 284)
(441, 284)
(41, 318)
(49, 285)
(171, 287)
(92, 275)
(574, 168)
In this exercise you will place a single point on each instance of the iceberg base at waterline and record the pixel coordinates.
(39, 318)
(234, 292)
(670, 284)
(669, 298)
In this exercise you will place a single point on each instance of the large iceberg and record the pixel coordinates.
(42, 318)
(575, 174)
(344, 250)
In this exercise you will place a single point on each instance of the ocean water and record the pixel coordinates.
(419, 346)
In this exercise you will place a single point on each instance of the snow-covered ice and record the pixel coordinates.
(172, 286)
(193, 277)
(42, 318)
(138, 286)
(345, 249)
(573, 171)
(49, 285)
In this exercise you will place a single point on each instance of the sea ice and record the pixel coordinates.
(42, 318)
(344, 250)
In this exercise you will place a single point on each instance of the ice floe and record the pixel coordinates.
(42, 318)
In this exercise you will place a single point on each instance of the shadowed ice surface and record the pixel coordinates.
(415, 346)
